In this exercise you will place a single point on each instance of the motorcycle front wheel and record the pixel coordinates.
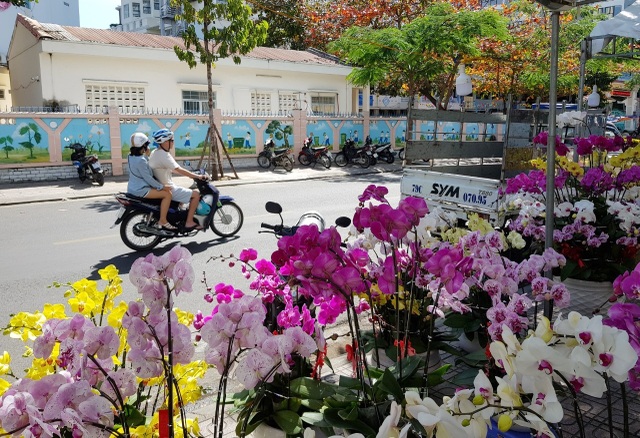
(304, 159)
(227, 220)
(401, 154)
(390, 159)
(340, 159)
(325, 160)
(264, 161)
(362, 160)
(135, 238)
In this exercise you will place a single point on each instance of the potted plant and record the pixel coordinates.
(106, 367)
(595, 217)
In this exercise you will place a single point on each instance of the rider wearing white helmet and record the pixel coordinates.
(163, 165)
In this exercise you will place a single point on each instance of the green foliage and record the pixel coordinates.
(421, 57)
(7, 142)
(30, 129)
(285, 29)
(238, 38)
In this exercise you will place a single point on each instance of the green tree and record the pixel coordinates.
(420, 57)
(7, 142)
(286, 28)
(30, 129)
(240, 35)
(21, 2)
(280, 131)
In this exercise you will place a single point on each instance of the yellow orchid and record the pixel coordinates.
(25, 326)
(5, 363)
(54, 311)
(185, 318)
(109, 273)
(4, 385)
(476, 223)
(83, 304)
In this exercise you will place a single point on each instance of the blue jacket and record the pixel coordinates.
(141, 178)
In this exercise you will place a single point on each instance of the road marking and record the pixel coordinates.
(87, 239)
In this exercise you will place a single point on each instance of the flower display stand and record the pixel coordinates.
(587, 296)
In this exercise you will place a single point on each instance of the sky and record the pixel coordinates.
(98, 14)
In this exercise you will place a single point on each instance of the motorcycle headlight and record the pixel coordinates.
(312, 217)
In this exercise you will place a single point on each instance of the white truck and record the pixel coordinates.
(458, 161)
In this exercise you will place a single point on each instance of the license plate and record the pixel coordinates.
(119, 216)
(96, 166)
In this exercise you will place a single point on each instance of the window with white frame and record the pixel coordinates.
(156, 5)
(135, 8)
(323, 104)
(1, 93)
(125, 11)
(128, 98)
(287, 101)
(146, 6)
(260, 102)
(196, 102)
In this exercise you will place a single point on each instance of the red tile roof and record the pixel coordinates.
(133, 39)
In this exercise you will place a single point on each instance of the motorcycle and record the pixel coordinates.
(380, 151)
(88, 167)
(314, 154)
(138, 217)
(308, 218)
(276, 157)
(351, 154)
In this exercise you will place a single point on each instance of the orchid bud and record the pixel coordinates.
(478, 400)
(504, 423)
(466, 422)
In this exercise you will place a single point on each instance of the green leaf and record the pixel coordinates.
(350, 413)
(332, 416)
(389, 384)
(315, 419)
(308, 388)
(458, 320)
(288, 421)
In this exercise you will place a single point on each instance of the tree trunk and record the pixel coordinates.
(214, 152)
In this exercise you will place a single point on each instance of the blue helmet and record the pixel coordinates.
(162, 135)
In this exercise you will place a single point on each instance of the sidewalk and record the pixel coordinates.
(42, 191)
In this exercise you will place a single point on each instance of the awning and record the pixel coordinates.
(626, 24)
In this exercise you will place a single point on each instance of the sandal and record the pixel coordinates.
(167, 227)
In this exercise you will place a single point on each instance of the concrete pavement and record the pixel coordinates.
(42, 191)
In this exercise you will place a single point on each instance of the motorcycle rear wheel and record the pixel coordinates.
(133, 237)
(341, 159)
(390, 159)
(325, 160)
(304, 159)
(99, 178)
(401, 154)
(227, 220)
(264, 161)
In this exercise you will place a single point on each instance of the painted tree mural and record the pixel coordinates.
(31, 130)
(280, 131)
(7, 142)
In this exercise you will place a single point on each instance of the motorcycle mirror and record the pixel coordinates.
(273, 207)
(343, 221)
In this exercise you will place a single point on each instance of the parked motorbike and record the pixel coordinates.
(314, 154)
(88, 166)
(401, 154)
(380, 151)
(270, 156)
(138, 217)
(351, 154)
(308, 218)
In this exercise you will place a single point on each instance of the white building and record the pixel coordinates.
(65, 12)
(93, 69)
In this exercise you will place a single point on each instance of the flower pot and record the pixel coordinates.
(587, 296)
(467, 345)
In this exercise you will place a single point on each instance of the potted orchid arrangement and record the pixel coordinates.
(596, 214)
(102, 367)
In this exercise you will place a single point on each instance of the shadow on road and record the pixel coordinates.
(102, 205)
(124, 262)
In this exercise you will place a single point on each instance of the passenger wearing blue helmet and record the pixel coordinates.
(164, 165)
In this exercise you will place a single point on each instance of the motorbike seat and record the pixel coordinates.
(280, 151)
(174, 204)
(318, 148)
